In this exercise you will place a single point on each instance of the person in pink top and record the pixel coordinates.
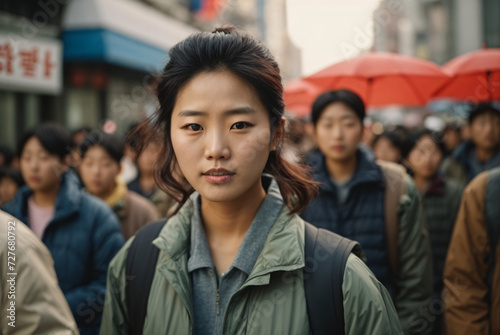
(81, 232)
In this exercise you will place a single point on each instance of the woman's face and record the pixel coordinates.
(386, 151)
(40, 169)
(221, 135)
(338, 132)
(425, 158)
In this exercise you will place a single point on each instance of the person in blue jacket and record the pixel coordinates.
(81, 232)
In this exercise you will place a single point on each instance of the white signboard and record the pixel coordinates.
(31, 65)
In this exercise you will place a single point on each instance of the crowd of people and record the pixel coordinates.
(237, 185)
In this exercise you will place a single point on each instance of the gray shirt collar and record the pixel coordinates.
(254, 240)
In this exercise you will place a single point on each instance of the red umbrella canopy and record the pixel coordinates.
(382, 79)
(299, 95)
(475, 76)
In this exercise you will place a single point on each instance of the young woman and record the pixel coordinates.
(440, 201)
(80, 231)
(100, 169)
(226, 254)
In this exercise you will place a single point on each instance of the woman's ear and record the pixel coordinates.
(279, 134)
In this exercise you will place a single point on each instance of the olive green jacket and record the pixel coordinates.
(271, 301)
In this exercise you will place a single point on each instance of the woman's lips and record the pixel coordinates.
(219, 179)
(34, 179)
(218, 176)
(338, 148)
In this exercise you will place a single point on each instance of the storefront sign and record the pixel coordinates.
(31, 66)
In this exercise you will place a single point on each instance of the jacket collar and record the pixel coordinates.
(67, 201)
(463, 151)
(283, 249)
(118, 194)
(367, 171)
(465, 154)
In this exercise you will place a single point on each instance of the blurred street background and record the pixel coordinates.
(411, 82)
(89, 63)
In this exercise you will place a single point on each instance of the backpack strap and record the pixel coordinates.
(326, 256)
(139, 271)
(395, 188)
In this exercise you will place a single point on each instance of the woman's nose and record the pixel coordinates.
(217, 146)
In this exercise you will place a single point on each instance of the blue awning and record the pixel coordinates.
(113, 48)
(120, 32)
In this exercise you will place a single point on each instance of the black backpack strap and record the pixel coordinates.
(326, 256)
(139, 271)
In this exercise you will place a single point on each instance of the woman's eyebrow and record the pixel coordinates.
(347, 117)
(236, 111)
(239, 111)
(186, 113)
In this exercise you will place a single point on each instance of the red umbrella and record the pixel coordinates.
(299, 96)
(384, 78)
(475, 76)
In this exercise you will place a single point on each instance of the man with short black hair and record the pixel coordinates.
(100, 171)
(374, 204)
(482, 151)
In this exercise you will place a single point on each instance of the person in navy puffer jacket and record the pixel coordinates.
(352, 203)
(81, 232)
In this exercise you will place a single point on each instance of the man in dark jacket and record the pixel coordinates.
(81, 232)
(482, 152)
(352, 203)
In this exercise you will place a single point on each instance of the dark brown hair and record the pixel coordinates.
(232, 50)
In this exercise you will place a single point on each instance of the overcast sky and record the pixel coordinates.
(328, 31)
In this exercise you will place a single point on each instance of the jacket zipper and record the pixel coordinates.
(218, 301)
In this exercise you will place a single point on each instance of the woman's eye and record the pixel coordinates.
(193, 127)
(240, 125)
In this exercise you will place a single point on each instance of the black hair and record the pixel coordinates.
(482, 108)
(8, 155)
(111, 143)
(85, 129)
(231, 50)
(52, 136)
(348, 98)
(397, 136)
(13, 174)
(417, 134)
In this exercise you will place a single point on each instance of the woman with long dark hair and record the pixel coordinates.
(231, 258)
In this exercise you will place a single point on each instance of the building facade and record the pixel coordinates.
(437, 30)
(80, 64)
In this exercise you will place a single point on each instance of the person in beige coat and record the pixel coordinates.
(100, 169)
(31, 301)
